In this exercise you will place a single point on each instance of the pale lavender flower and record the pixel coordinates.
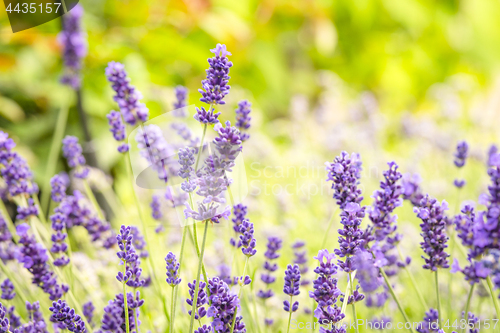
(180, 101)
(72, 151)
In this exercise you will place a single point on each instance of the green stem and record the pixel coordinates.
(156, 284)
(467, 305)
(495, 300)
(198, 274)
(290, 317)
(8, 220)
(197, 247)
(394, 296)
(19, 290)
(135, 321)
(438, 298)
(200, 147)
(353, 305)
(55, 147)
(413, 282)
(239, 294)
(125, 305)
(41, 215)
(176, 288)
(172, 308)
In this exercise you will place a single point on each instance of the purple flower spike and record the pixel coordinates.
(156, 207)
(224, 307)
(351, 237)
(461, 154)
(366, 271)
(344, 173)
(117, 127)
(432, 214)
(61, 313)
(273, 246)
(430, 323)
(172, 270)
(207, 117)
(411, 188)
(215, 86)
(291, 287)
(201, 301)
(180, 101)
(247, 238)
(126, 96)
(88, 311)
(72, 151)
(7, 290)
(74, 46)
(204, 329)
(326, 292)
(243, 118)
(239, 213)
(186, 160)
(128, 255)
(58, 183)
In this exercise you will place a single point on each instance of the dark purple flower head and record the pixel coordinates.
(461, 154)
(4, 321)
(129, 257)
(247, 238)
(243, 118)
(58, 184)
(34, 258)
(291, 287)
(62, 313)
(326, 292)
(74, 46)
(180, 101)
(126, 96)
(117, 128)
(430, 323)
(433, 226)
(344, 173)
(201, 301)
(224, 307)
(459, 183)
(207, 117)
(114, 313)
(172, 269)
(72, 151)
(7, 290)
(204, 329)
(215, 86)
(350, 237)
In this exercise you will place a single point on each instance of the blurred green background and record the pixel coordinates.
(402, 80)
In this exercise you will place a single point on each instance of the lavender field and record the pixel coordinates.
(161, 174)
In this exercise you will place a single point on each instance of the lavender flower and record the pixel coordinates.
(58, 184)
(247, 238)
(432, 214)
(227, 145)
(180, 102)
(156, 207)
(15, 321)
(204, 329)
(117, 127)
(326, 293)
(61, 313)
(291, 287)
(301, 260)
(186, 160)
(14, 169)
(239, 213)
(24, 213)
(461, 154)
(172, 270)
(156, 151)
(430, 323)
(126, 96)
(224, 307)
(366, 271)
(7, 290)
(72, 151)
(59, 245)
(215, 86)
(492, 152)
(273, 246)
(8, 250)
(4, 322)
(207, 116)
(129, 257)
(200, 311)
(114, 313)
(344, 173)
(36, 323)
(88, 311)
(74, 46)
(350, 238)
(243, 118)
(34, 258)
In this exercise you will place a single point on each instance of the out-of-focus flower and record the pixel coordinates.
(23, 213)
(117, 127)
(243, 119)
(411, 188)
(273, 246)
(461, 154)
(7, 290)
(180, 101)
(301, 260)
(72, 151)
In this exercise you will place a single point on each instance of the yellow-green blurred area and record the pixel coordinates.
(401, 80)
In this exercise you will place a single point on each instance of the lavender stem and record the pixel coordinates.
(176, 288)
(495, 300)
(125, 305)
(200, 148)
(438, 298)
(290, 315)
(93, 200)
(412, 281)
(330, 224)
(353, 305)
(466, 313)
(239, 293)
(200, 262)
